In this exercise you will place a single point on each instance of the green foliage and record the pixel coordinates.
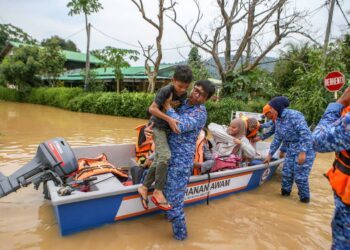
(127, 104)
(76, 99)
(115, 58)
(7, 94)
(2, 80)
(247, 86)
(345, 51)
(95, 85)
(9, 32)
(295, 59)
(57, 97)
(52, 62)
(303, 70)
(62, 43)
(22, 68)
(84, 103)
(83, 6)
(200, 72)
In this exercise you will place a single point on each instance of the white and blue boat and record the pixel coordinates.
(110, 201)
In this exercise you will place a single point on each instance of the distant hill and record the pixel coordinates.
(210, 65)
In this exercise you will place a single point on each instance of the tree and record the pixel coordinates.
(95, 85)
(22, 67)
(52, 62)
(266, 20)
(295, 59)
(149, 52)
(63, 44)
(345, 47)
(196, 64)
(302, 70)
(114, 57)
(87, 7)
(9, 32)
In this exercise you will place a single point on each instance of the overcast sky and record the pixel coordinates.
(120, 24)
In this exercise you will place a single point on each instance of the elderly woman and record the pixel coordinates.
(232, 139)
(291, 129)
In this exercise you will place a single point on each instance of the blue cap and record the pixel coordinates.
(279, 103)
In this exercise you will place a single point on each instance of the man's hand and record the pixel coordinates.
(148, 130)
(345, 97)
(268, 159)
(173, 125)
(301, 158)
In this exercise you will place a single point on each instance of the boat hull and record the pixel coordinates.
(110, 201)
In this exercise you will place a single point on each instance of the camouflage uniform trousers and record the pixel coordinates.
(175, 190)
(292, 171)
(341, 225)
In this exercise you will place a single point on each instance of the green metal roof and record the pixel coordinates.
(70, 55)
(134, 72)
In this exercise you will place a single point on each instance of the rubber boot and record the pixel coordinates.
(284, 192)
(305, 200)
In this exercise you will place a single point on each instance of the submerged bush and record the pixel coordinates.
(123, 104)
(7, 94)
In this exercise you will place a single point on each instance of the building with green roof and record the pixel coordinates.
(135, 77)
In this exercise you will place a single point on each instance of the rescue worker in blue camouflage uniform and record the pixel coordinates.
(333, 134)
(291, 129)
(192, 117)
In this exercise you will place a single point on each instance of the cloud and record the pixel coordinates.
(121, 20)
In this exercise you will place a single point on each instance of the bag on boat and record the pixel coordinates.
(226, 162)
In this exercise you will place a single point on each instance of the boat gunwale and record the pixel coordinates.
(106, 190)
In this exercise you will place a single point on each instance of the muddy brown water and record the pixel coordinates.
(258, 219)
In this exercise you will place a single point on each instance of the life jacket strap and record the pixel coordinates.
(339, 165)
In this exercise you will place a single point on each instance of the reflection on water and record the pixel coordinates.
(259, 219)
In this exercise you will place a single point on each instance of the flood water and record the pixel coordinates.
(258, 219)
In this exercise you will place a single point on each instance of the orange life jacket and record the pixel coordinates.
(94, 166)
(250, 134)
(339, 174)
(198, 157)
(145, 148)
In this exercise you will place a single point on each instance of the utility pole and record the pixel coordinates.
(326, 39)
(328, 30)
(87, 64)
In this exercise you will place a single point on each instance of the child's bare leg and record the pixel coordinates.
(143, 191)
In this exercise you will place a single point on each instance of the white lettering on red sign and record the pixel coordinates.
(334, 81)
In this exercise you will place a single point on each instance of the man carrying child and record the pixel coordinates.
(163, 124)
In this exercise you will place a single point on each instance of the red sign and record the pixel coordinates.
(334, 81)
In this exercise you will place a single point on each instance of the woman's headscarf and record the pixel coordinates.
(239, 123)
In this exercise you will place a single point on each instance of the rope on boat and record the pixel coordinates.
(208, 194)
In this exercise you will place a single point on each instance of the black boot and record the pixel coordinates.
(305, 200)
(284, 192)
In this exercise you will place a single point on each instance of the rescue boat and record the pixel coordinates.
(109, 200)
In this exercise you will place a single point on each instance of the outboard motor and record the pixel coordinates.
(54, 159)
